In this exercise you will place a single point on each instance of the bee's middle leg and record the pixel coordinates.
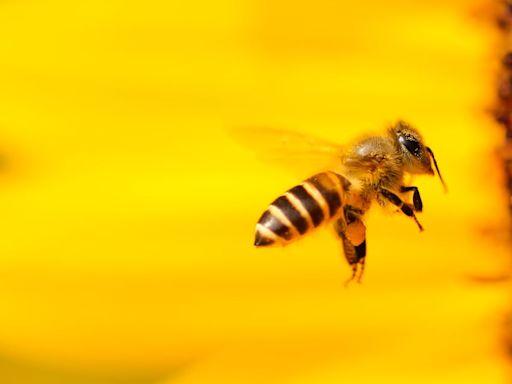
(404, 207)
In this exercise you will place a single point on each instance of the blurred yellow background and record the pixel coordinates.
(128, 210)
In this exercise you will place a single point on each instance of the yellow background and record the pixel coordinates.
(128, 209)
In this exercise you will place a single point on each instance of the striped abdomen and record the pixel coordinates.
(316, 201)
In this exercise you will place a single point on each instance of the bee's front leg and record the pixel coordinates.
(416, 198)
(405, 208)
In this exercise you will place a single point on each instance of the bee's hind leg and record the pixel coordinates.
(355, 270)
(352, 233)
(357, 265)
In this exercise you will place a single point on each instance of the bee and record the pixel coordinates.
(372, 169)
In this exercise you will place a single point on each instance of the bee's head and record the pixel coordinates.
(416, 156)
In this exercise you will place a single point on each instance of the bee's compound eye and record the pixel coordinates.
(412, 145)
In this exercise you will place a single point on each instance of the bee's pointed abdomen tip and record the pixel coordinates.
(261, 240)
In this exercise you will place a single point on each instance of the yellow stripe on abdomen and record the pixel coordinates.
(316, 201)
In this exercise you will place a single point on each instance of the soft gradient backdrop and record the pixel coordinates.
(128, 208)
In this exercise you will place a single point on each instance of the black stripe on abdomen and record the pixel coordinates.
(269, 221)
(328, 190)
(291, 213)
(309, 203)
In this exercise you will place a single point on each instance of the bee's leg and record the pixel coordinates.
(356, 234)
(416, 198)
(349, 249)
(362, 263)
(352, 233)
(405, 208)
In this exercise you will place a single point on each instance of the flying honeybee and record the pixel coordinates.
(373, 169)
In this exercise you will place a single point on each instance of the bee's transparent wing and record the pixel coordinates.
(293, 150)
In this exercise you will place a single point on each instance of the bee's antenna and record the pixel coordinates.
(437, 169)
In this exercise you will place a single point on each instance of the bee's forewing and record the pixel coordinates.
(293, 150)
